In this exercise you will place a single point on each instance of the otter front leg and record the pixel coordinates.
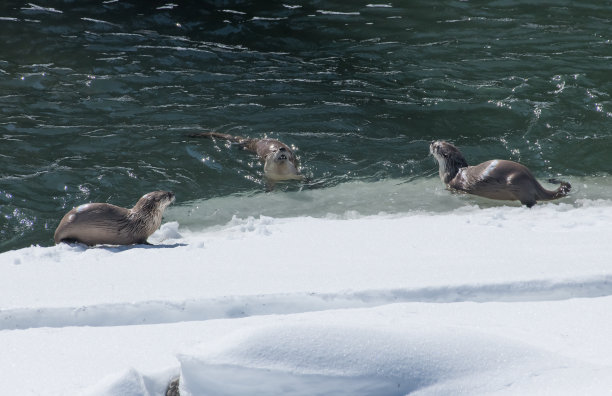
(528, 203)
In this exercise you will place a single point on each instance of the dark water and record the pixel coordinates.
(97, 97)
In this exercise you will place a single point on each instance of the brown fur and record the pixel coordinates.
(279, 160)
(102, 223)
(495, 179)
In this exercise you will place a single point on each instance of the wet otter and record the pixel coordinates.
(279, 160)
(495, 179)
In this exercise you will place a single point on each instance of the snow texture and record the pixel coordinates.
(503, 300)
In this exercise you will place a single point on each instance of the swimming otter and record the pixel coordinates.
(279, 160)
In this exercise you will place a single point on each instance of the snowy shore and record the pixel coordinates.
(502, 300)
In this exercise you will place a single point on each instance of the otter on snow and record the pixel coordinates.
(106, 224)
(495, 179)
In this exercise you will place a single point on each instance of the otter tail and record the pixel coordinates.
(217, 135)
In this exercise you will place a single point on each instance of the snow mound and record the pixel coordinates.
(132, 383)
(168, 231)
(332, 359)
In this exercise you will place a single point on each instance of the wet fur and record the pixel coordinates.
(106, 224)
(495, 179)
(279, 160)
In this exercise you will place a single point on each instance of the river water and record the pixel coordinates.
(97, 99)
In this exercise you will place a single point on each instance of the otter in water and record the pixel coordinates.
(279, 160)
(106, 224)
(495, 179)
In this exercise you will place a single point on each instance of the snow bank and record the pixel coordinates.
(335, 359)
(332, 358)
(502, 300)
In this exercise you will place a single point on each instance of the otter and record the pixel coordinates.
(106, 224)
(494, 179)
(279, 160)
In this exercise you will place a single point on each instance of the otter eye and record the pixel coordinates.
(282, 149)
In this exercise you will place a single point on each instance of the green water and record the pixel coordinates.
(96, 100)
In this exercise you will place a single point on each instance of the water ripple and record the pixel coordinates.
(96, 100)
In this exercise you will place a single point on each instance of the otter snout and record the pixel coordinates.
(282, 156)
(159, 196)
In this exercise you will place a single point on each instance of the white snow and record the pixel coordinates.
(501, 300)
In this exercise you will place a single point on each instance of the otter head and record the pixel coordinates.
(449, 158)
(149, 209)
(280, 164)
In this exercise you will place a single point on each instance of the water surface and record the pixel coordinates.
(97, 98)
